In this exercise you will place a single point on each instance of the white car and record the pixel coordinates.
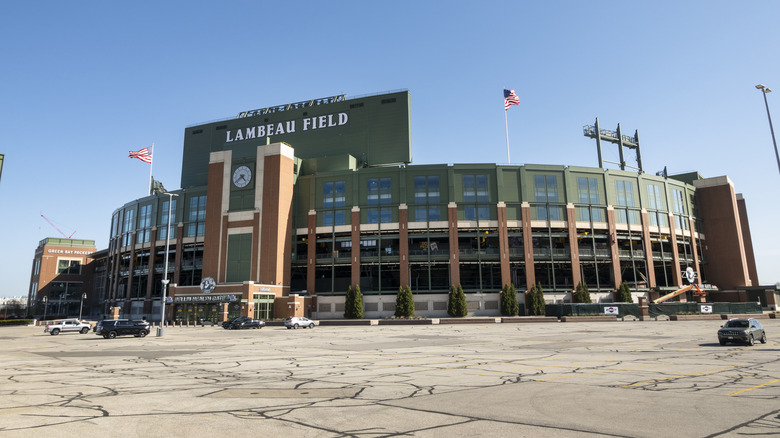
(295, 322)
(68, 325)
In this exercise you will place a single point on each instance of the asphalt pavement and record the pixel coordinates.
(627, 379)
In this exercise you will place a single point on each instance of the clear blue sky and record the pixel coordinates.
(85, 82)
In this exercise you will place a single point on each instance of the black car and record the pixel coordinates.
(111, 328)
(742, 330)
(243, 322)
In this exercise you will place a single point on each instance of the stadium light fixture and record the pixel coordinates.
(764, 91)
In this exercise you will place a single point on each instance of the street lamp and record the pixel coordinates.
(45, 306)
(81, 303)
(165, 281)
(764, 90)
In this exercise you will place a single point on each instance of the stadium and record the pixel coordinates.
(282, 209)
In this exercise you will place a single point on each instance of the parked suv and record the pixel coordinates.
(295, 322)
(742, 330)
(111, 328)
(244, 322)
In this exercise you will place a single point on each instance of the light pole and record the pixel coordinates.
(165, 281)
(45, 306)
(81, 303)
(764, 90)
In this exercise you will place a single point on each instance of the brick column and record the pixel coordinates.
(403, 243)
(694, 249)
(355, 253)
(613, 248)
(452, 219)
(574, 247)
(528, 246)
(648, 245)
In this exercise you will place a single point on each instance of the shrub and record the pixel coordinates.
(624, 294)
(353, 304)
(404, 303)
(509, 306)
(535, 300)
(456, 302)
(581, 295)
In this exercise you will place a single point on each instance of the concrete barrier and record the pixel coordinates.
(519, 319)
(601, 318)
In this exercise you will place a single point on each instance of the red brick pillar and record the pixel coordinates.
(528, 245)
(574, 246)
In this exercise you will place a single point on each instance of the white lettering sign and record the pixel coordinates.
(287, 127)
(612, 310)
(706, 309)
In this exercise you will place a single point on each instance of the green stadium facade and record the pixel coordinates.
(282, 209)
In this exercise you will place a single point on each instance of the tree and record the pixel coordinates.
(509, 306)
(404, 303)
(353, 303)
(535, 300)
(456, 302)
(581, 295)
(624, 294)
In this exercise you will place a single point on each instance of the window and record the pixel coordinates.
(144, 223)
(625, 198)
(69, 267)
(127, 228)
(163, 222)
(546, 191)
(678, 207)
(426, 191)
(655, 200)
(475, 190)
(379, 191)
(655, 206)
(379, 215)
(197, 216)
(333, 196)
(588, 193)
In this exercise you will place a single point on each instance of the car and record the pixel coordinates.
(68, 325)
(295, 322)
(111, 328)
(244, 322)
(746, 330)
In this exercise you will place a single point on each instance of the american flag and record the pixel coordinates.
(510, 98)
(143, 155)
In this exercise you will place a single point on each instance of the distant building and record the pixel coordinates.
(283, 208)
(62, 272)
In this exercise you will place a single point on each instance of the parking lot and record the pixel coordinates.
(634, 379)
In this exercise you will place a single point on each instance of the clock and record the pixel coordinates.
(242, 176)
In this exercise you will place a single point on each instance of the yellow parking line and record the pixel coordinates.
(599, 372)
(681, 375)
(755, 387)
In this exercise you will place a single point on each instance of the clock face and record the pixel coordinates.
(242, 176)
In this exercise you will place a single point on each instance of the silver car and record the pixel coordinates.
(295, 322)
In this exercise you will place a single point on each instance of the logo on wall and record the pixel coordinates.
(207, 285)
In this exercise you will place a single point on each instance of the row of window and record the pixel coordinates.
(475, 190)
(194, 227)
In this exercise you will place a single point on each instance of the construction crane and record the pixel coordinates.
(55, 227)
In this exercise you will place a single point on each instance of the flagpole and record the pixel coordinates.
(506, 125)
(150, 169)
